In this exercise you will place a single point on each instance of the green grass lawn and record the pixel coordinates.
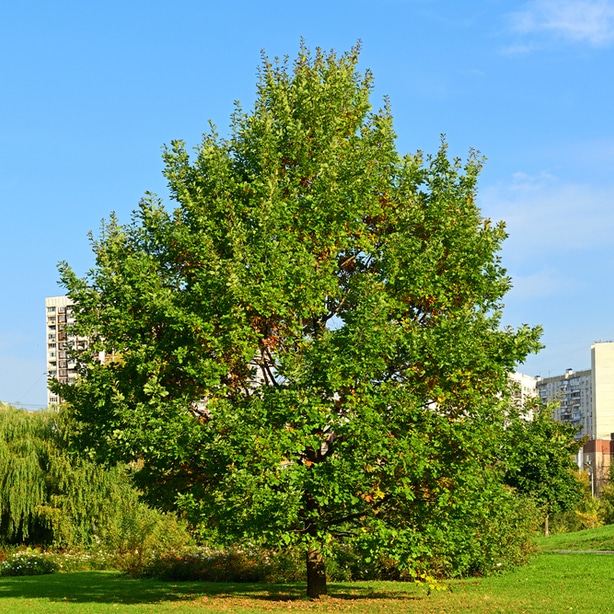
(591, 539)
(551, 584)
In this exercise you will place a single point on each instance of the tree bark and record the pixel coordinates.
(316, 574)
(546, 527)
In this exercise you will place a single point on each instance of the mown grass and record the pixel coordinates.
(552, 584)
(591, 539)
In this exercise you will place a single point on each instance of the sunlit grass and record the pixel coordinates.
(552, 584)
(591, 539)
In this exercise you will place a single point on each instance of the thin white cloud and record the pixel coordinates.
(559, 250)
(543, 283)
(545, 215)
(526, 183)
(578, 21)
(519, 49)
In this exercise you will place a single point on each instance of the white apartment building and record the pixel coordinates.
(573, 394)
(586, 399)
(59, 315)
(602, 367)
(524, 388)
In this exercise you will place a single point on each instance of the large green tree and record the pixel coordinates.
(308, 347)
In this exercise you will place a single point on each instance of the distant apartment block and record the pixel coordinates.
(586, 399)
(59, 315)
(602, 366)
(595, 458)
(572, 394)
(524, 388)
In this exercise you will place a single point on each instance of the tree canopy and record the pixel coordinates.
(541, 461)
(308, 347)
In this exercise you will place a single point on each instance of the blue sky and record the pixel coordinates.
(90, 91)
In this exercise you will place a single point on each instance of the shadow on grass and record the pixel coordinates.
(113, 587)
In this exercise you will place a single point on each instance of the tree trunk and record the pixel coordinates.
(316, 574)
(546, 527)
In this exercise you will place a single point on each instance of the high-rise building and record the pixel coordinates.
(572, 397)
(59, 316)
(602, 367)
(524, 388)
(586, 399)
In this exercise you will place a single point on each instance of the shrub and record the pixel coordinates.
(28, 563)
(477, 536)
(587, 514)
(606, 507)
(82, 560)
(140, 534)
(210, 565)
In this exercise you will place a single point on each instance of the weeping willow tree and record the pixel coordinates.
(48, 496)
(27, 451)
